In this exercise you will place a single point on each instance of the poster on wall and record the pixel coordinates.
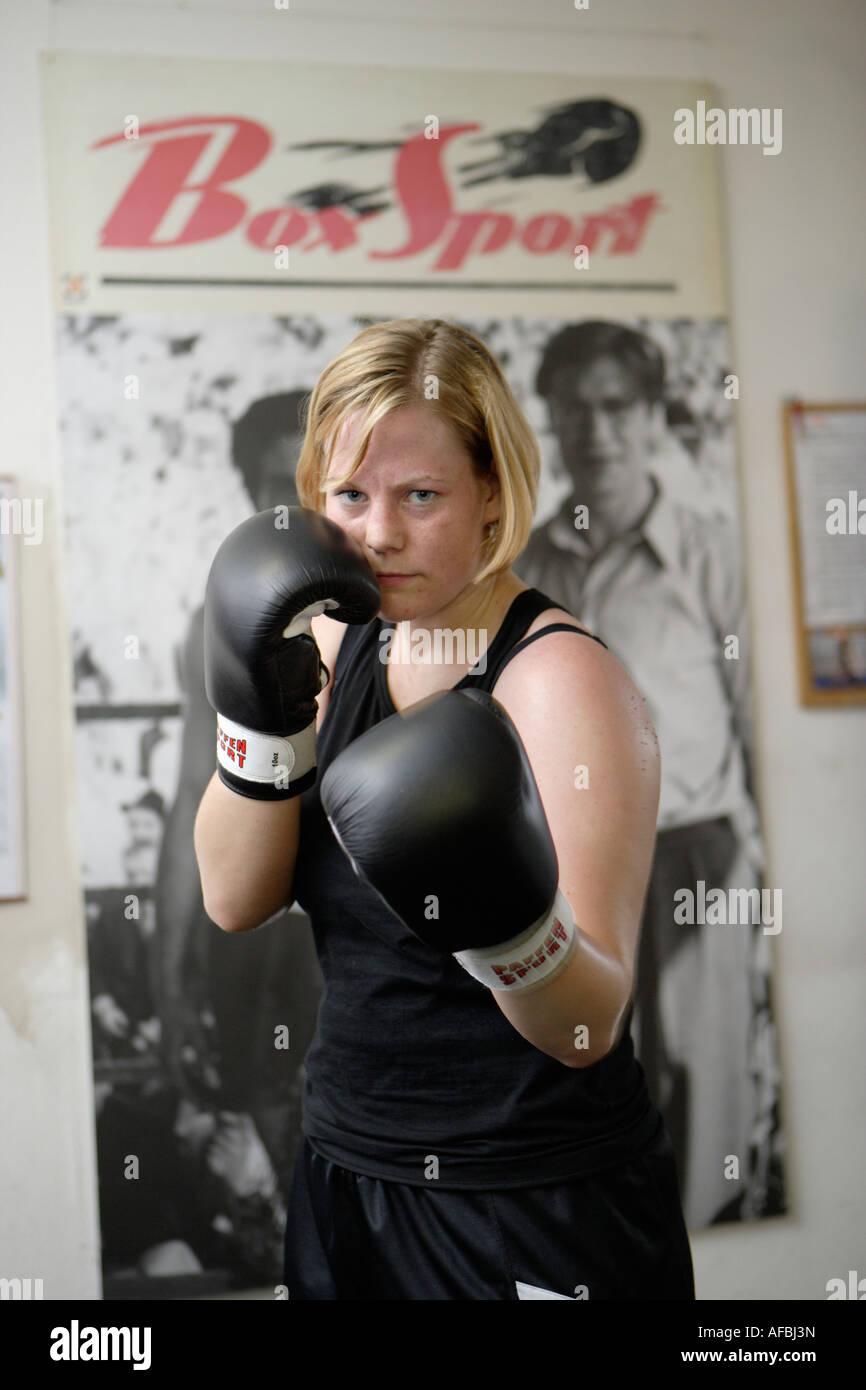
(221, 231)
(20, 524)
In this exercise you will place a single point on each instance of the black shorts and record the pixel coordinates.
(617, 1235)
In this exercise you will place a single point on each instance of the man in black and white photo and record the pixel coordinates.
(660, 582)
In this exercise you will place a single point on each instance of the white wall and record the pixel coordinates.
(794, 227)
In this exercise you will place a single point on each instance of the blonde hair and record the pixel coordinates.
(390, 365)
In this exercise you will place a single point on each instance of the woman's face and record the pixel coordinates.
(416, 509)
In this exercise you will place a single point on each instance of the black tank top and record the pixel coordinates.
(412, 1058)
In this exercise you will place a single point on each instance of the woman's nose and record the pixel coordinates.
(381, 530)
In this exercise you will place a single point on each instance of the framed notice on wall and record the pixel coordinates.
(13, 883)
(826, 469)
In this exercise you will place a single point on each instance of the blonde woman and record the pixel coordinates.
(459, 785)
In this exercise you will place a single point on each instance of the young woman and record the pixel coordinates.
(466, 1135)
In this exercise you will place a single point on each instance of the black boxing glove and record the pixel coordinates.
(438, 810)
(263, 669)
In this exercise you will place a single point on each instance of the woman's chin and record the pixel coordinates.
(396, 612)
(398, 604)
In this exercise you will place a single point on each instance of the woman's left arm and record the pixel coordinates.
(595, 756)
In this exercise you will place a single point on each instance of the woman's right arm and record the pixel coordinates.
(246, 849)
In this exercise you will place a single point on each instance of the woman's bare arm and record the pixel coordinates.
(575, 707)
(246, 849)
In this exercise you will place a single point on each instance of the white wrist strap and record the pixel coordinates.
(266, 759)
(526, 960)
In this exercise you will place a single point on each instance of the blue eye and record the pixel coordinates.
(356, 492)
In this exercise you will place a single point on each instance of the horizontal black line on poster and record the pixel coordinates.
(664, 287)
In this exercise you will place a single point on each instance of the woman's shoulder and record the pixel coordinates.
(570, 698)
(557, 659)
(565, 686)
